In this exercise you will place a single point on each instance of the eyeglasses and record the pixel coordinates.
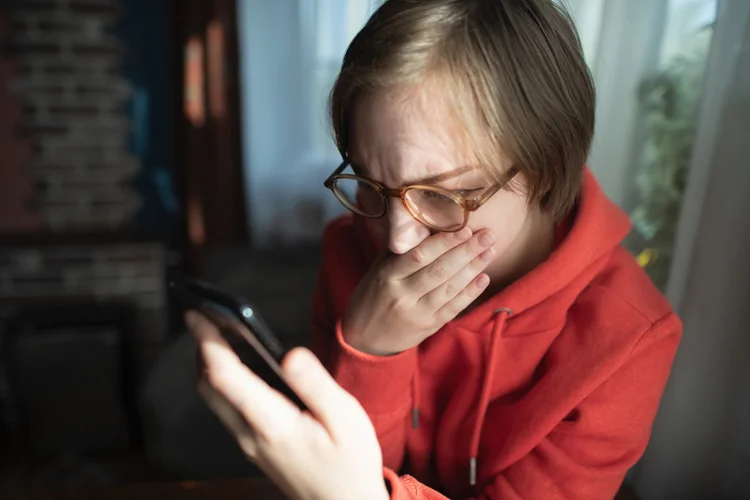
(438, 208)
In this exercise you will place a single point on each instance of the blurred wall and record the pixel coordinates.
(75, 96)
(76, 101)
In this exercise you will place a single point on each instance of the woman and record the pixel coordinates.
(497, 339)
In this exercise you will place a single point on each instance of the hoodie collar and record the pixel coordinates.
(596, 229)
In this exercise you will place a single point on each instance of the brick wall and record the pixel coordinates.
(16, 183)
(74, 99)
(73, 109)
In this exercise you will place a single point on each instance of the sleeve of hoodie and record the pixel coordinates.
(589, 457)
(382, 385)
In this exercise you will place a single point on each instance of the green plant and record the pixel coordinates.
(669, 107)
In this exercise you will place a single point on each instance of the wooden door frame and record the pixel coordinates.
(209, 149)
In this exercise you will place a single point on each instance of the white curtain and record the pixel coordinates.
(700, 447)
(701, 441)
(621, 40)
(290, 52)
(626, 41)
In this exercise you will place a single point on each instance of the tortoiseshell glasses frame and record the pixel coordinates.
(411, 195)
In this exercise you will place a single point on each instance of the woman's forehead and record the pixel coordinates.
(413, 117)
(404, 138)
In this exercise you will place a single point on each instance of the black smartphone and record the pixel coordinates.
(240, 325)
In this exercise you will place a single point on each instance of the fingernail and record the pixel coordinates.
(463, 234)
(483, 281)
(487, 239)
(488, 255)
(300, 362)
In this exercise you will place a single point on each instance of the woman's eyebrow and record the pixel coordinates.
(361, 170)
(456, 175)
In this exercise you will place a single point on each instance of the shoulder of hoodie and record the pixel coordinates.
(622, 289)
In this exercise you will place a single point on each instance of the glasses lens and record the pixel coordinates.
(359, 196)
(435, 208)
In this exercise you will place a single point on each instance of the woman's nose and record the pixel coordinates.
(404, 232)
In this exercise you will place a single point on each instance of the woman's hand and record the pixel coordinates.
(332, 453)
(404, 299)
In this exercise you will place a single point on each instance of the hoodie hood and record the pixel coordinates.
(596, 228)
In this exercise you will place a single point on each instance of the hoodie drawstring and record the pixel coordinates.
(501, 315)
(415, 396)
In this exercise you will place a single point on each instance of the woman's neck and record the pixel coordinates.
(535, 242)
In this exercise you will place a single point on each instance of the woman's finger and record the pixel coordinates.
(427, 251)
(267, 411)
(335, 408)
(245, 436)
(446, 292)
(462, 300)
(230, 418)
(450, 264)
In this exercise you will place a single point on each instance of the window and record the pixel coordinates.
(290, 53)
(648, 60)
(330, 25)
(669, 101)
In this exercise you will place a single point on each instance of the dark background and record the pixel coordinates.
(106, 183)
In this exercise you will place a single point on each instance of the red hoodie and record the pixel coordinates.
(546, 390)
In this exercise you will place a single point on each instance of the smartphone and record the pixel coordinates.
(240, 324)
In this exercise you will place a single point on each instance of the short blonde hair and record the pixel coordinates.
(513, 70)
